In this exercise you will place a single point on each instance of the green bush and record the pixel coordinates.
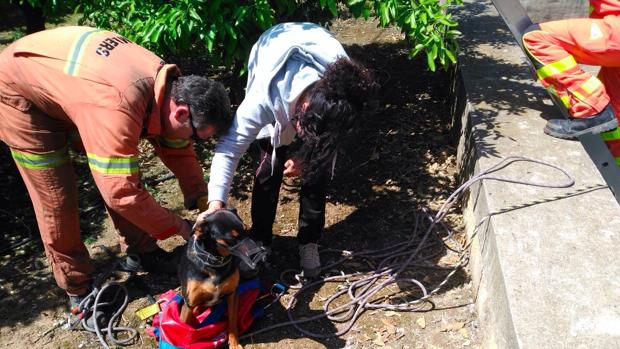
(226, 29)
(53, 10)
(427, 24)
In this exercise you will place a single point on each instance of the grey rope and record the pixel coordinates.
(392, 261)
(94, 300)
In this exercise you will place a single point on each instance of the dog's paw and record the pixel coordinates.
(235, 346)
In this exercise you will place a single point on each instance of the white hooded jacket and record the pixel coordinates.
(285, 60)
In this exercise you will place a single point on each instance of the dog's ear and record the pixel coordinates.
(240, 227)
(199, 230)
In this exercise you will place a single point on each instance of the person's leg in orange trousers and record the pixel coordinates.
(38, 146)
(557, 47)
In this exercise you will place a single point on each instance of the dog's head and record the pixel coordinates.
(222, 227)
(224, 232)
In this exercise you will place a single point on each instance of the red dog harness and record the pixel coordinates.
(212, 328)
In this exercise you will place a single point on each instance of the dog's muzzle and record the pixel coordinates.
(249, 252)
(199, 256)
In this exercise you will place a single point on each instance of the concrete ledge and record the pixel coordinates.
(544, 261)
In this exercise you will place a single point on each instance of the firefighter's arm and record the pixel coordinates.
(179, 156)
(111, 141)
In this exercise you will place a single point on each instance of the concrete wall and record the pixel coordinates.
(545, 10)
(543, 261)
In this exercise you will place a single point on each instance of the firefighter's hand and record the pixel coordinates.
(293, 167)
(213, 206)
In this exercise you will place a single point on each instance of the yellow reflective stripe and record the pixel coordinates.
(113, 165)
(611, 135)
(590, 9)
(591, 85)
(565, 99)
(173, 143)
(556, 67)
(579, 96)
(76, 53)
(40, 161)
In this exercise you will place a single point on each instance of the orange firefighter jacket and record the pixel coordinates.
(111, 90)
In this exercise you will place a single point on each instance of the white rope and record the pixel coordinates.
(391, 262)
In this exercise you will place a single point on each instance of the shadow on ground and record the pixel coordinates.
(403, 157)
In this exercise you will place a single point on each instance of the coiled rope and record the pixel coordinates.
(100, 298)
(392, 261)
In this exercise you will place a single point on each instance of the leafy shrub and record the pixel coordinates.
(427, 24)
(226, 29)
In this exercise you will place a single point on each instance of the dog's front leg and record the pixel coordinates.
(187, 315)
(233, 330)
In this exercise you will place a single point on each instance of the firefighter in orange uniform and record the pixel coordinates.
(59, 83)
(557, 47)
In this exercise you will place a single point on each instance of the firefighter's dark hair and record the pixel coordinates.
(207, 99)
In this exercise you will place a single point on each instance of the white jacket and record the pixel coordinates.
(285, 60)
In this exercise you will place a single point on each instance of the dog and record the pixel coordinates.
(209, 268)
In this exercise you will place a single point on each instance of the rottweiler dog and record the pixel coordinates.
(209, 271)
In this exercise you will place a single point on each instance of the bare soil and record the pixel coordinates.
(403, 157)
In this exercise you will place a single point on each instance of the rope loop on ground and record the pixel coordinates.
(393, 264)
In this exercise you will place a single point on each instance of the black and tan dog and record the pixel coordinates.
(209, 269)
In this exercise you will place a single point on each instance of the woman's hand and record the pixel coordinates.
(202, 217)
(293, 167)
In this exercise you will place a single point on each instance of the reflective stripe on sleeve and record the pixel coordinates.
(113, 165)
(173, 143)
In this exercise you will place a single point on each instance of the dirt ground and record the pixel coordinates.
(401, 158)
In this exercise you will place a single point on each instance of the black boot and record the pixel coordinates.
(573, 128)
(158, 261)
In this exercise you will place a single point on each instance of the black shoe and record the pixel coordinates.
(573, 128)
(158, 261)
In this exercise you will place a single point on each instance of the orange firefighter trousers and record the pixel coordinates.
(558, 47)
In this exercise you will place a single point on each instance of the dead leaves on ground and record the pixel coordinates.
(389, 330)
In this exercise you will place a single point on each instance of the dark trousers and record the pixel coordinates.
(265, 194)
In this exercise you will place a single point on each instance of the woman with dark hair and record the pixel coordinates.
(301, 84)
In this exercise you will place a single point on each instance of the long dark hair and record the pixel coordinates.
(335, 105)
